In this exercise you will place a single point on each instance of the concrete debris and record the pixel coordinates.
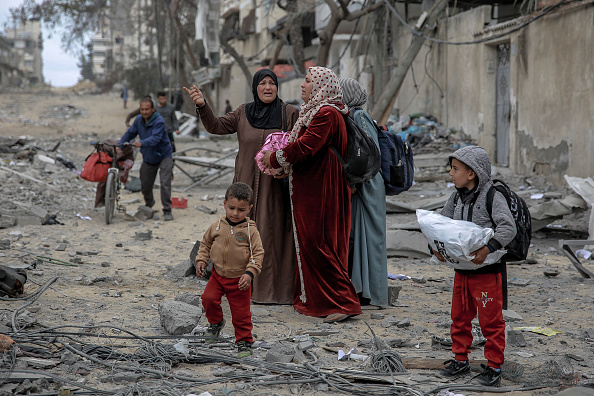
(393, 293)
(511, 316)
(143, 235)
(189, 298)
(281, 352)
(178, 317)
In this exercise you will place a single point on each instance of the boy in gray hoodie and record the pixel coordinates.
(481, 289)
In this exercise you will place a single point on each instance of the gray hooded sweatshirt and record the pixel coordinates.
(472, 205)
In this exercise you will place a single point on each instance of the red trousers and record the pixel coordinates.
(239, 302)
(482, 293)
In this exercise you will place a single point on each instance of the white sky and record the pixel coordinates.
(59, 68)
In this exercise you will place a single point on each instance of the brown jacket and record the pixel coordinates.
(272, 208)
(229, 248)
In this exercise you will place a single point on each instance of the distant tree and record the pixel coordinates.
(86, 64)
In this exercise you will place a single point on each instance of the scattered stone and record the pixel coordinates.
(389, 322)
(403, 323)
(76, 260)
(551, 272)
(4, 244)
(393, 293)
(178, 317)
(189, 298)
(105, 264)
(281, 352)
(377, 315)
(61, 247)
(143, 235)
(180, 271)
(39, 363)
(418, 279)
(511, 316)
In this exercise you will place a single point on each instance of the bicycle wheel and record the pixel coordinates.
(110, 197)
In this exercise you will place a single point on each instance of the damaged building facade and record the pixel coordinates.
(523, 89)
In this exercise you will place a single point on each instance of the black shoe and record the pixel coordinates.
(455, 369)
(213, 332)
(489, 377)
(167, 216)
(244, 349)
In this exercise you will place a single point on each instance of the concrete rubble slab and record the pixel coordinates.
(406, 244)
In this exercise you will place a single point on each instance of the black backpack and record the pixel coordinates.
(517, 249)
(398, 167)
(362, 160)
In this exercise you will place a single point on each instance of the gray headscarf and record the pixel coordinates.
(353, 93)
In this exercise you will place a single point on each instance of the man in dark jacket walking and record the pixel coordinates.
(156, 152)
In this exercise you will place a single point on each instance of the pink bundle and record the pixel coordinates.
(275, 141)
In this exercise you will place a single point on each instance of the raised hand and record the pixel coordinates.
(196, 95)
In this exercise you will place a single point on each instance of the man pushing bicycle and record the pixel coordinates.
(156, 152)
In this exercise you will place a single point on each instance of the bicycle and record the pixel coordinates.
(113, 183)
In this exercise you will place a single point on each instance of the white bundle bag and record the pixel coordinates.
(455, 240)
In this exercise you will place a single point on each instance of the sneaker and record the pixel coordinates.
(167, 216)
(489, 377)
(455, 369)
(213, 332)
(244, 349)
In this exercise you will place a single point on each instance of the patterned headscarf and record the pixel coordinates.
(325, 92)
(353, 93)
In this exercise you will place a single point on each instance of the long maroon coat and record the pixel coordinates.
(321, 200)
(271, 212)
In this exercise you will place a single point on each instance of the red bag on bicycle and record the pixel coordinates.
(96, 167)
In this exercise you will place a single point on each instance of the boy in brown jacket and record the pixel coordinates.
(233, 244)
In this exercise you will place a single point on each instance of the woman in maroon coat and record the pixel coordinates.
(320, 197)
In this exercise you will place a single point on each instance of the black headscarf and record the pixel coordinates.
(264, 115)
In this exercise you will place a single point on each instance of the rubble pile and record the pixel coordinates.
(426, 135)
(39, 185)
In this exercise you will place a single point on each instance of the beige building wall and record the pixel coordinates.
(550, 83)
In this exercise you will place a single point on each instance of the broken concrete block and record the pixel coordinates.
(178, 317)
(389, 321)
(24, 220)
(61, 247)
(393, 293)
(189, 298)
(7, 221)
(40, 212)
(403, 323)
(511, 316)
(281, 352)
(143, 235)
(180, 271)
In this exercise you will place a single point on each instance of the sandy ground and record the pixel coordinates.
(120, 281)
